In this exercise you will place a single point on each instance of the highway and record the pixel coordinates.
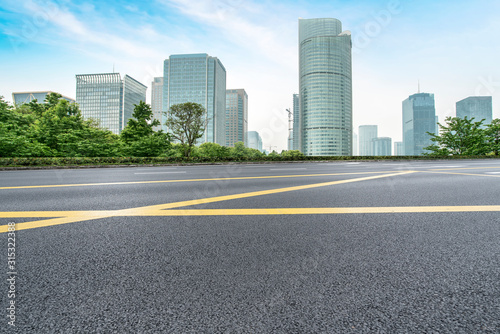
(323, 247)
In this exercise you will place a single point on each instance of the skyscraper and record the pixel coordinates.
(157, 100)
(201, 79)
(419, 117)
(236, 116)
(255, 140)
(366, 134)
(398, 148)
(325, 87)
(296, 123)
(381, 146)
(479, 107)
(108, 99)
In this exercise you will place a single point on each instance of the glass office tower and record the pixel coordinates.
(296, 122)
(479, 107)
(325, 87)
(201, 79)
(366, 134)
(419, 117)
(381, 146)
(157, 101)
(109, 99)
(236, 116)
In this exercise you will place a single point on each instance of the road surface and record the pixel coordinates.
(340, 247)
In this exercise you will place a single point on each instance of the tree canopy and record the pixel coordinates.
(463, 136)
(186, 123)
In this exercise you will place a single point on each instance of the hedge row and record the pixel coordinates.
(80, 161)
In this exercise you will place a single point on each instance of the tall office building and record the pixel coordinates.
(325, 87)
(354, 144)
(201, 79)
(296, 123)
(381, 146)
(419, 117)
(236, 116)
(26, 97)
(479, 107)
(157, 101)
(108, 98)
(366, 134)
(255, 140)
(398, 148)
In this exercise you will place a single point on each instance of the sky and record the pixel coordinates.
(451, 48)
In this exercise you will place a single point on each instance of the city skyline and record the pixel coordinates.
(395, 44)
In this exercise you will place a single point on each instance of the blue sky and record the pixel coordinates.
(452, 47)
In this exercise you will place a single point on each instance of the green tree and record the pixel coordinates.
(460, 136)
(186, 123)
(492, 133)
(213, 151)
(139, 136)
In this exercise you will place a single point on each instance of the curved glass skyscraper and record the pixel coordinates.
(325, 84)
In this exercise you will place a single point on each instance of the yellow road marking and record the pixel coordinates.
(254, 193)
(317, 211)
(187, 180)
(90, 215)
(64, 217)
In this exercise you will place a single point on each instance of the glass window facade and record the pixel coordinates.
(477, 107)
(255, 140)
(157, 101)
(419, 117)
(381, 146)
(325, 85)
(236, 116)
(201, 79)
(108, 99)
(366, 134)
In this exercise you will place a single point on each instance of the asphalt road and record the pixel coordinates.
(368, 247)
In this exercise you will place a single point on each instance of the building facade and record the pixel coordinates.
(366, 134)
(108, 98)
(201, 79)
(236, 117)
(325, 87)
(296, 123)
(381, 146)
(419, 117)
(20, 98)
(157, 101)
(398, 148)
(477, 107)
(255, 140)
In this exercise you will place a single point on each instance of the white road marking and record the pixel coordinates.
(287, 168)
(160, 173)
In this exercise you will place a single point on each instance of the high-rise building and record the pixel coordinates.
(255, 140)
(366, 134)
(419, 117)
(381, 146)
(477, 107)
(398, 148)
(26, 97)
(201, 79)
(157, 101)
(354, 144)
(108, 98)
(236, 116)
(296, 123)
(325, 87)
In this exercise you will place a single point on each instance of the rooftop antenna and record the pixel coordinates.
(113, 67)
(419, 86)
